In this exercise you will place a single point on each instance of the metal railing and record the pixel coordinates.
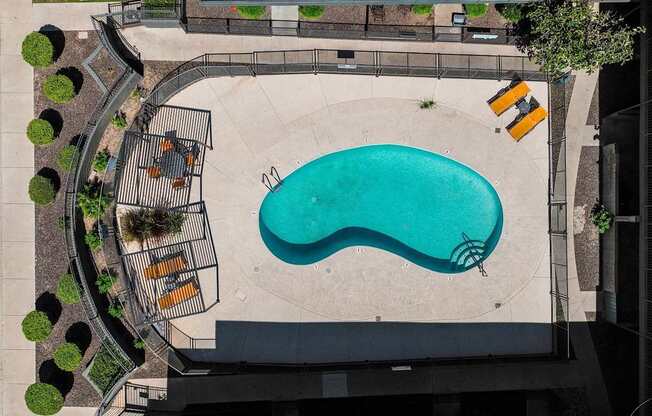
(358, 31)
(557, 210)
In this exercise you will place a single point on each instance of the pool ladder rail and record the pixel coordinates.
(268, 183)
(473, 252)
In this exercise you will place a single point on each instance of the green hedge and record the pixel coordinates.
(68, 356)
(91, 201)
(251, 12)
(59, 88)
(67, 289)
(311, 12)
(475, 10)
(101, 161)
(511, 12)
(93, 240)
(105, 282)
(36, 326)
(66, 156)
(40, 132)
(37, 50)
(43, 399)
(41, 190)
(104, 370)
(422, 9)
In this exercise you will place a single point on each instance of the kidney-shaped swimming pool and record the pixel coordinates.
(429, 209)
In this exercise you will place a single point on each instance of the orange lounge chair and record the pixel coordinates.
(165, 267)
(178, 295)
(502, 102)
(520, 127)
(178, 183)
(190, 159)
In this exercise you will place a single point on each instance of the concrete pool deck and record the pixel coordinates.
(288, 120)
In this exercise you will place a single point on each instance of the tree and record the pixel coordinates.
(568, 34)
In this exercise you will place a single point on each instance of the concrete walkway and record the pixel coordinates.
(17, 368)
(66, 16)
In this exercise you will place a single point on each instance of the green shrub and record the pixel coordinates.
(36, 326)
(601, 217)
(61, 223)
(115, 310)
(67, 289)
(101, 160)
(59, 88)
(251, 12)
(475, 10)
(119, 121)
(43, 399)
(511, 12)
(37, 50)
(427, 104)
(311, 12)
(105, 282)
(139, 344)
(144, 223)
(91, 201)
(66, 156)
(422, 9)
(93, 240)
(68, 356)
(41, 190)
(40, 132)
(104, 370)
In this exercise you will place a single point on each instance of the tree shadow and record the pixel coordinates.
(54, 118)
(79, 334)
(49, 304)
(75, 76)
(57, 38)
(49, 373)
(52, 175)
(76, 140)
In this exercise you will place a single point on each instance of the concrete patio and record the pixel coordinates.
(288, 120)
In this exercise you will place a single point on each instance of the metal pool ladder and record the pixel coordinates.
(473, 252)
(268, 183)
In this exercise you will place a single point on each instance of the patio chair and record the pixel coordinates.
(159, 269)
(167, 145)
(154, 172)
(523, 125)
(181, 294)
(179, 183)
(508, 97)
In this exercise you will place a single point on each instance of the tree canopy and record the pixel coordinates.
(569, 34)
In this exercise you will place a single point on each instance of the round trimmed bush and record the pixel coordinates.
(43, 399)
(475, 10)
(36, 326)
(311, 12)
(251, 12)
(40, 132)
(67, 290)
(68, 356)
(59, 88)
(65, 157)
(41, 190)
(422, 9)
(511, 12)
(37, 50)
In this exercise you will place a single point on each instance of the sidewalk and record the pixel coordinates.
(16, 210)
(66, 16)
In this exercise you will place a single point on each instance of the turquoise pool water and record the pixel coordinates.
(431, 210)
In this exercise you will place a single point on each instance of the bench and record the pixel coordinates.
(506, 99)
(178, 295)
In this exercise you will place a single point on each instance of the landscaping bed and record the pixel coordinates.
(194, 8)
(106, 68)
(341, 14)
(51, 257)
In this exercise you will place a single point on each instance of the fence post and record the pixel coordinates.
(315, 61)
(377, 62)
(499, 69)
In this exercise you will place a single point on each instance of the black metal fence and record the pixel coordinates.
(557, 204)
(360, 31)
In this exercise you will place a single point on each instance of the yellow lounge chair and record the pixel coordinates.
(502, 102)
(178, 295)
(165, 267)
(520, 127)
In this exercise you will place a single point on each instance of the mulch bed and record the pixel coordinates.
(106, 68)
(587, 241)
(402, 15)
(341, 14)
(492, 19)
(51, 256)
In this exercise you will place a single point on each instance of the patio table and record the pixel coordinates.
(173, 164)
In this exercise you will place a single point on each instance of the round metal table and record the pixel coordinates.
(173, 164)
